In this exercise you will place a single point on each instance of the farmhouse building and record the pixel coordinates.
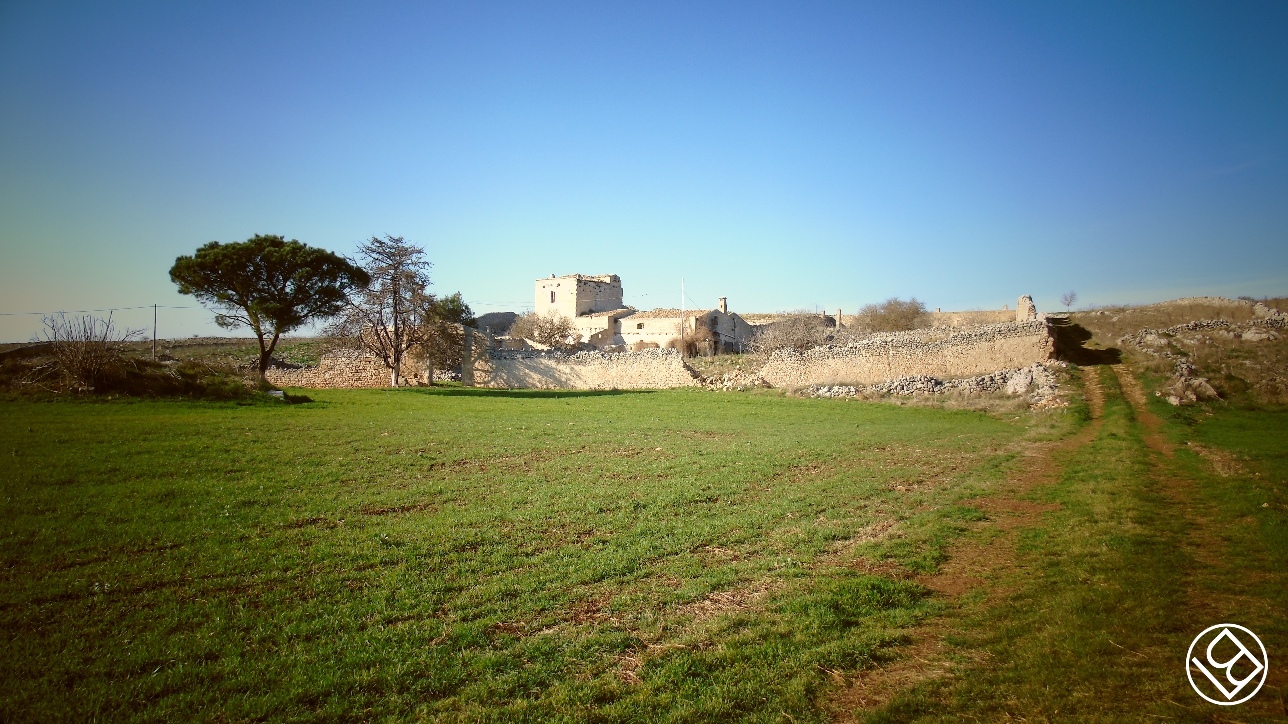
(594, 304)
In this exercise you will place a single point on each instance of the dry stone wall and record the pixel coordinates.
(334, 370)
(942, 354)
(647, 369)
(1036, 380)
(966, 319)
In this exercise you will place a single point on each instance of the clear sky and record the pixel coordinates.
(784, 155)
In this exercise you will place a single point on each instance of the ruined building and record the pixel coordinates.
(594, 304)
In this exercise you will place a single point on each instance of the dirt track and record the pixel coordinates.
(972, 564)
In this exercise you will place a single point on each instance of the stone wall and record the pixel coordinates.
(648, 369)
(334, 370)
(969, 319)
(943, 354)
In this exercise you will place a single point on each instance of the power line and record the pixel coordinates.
(104, 309)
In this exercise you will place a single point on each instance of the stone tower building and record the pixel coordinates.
(573, 295)
(594, 306)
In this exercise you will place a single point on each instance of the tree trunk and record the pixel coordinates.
(397, 359)
(266, 353)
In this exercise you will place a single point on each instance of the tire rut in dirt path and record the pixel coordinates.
(1182, 492)
(971, 564)
(1135, 395)
(1211, 595)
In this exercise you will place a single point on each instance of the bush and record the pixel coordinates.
(88, 352)
(700, 342)
(798, 330)
(135, 377)
(893, 315)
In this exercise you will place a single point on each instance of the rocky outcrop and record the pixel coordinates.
(1186, 387)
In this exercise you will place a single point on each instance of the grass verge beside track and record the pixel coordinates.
(1159, 529)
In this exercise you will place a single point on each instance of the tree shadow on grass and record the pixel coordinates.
(523, 394)
(1069, 339)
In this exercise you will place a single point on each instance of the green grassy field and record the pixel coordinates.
(471, 554)
(479, 555)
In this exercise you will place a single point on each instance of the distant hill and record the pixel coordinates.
(496, 322)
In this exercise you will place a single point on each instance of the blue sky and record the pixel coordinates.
(784, 155)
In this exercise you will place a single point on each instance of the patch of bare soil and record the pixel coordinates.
(718, 602)
(1224, 464)
(973, 564)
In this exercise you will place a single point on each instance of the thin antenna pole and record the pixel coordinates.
(682, 320)
(154, 331)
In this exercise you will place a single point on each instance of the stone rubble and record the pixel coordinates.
(938, 352)
(1012, 382)
(1186, 387)
(738, 381)
(338, 369)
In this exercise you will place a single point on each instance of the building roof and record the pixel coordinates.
(605, 278)
(620, 312)
(670, 313)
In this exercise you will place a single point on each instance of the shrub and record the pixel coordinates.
(798, 330)
(893, 315)
(700, 342)
(87, 351)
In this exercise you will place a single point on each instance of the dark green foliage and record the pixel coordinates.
(268, 284)
(451, 309)
(444, 320)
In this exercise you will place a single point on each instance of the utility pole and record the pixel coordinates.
(682, 320)
(154, 332)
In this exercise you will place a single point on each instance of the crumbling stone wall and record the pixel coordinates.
(648, 369)
(966, 319)
(343, 369)
(942, 353)
(1025, 311)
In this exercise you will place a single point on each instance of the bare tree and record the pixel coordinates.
(698, 341)
(88, 351)
(551, 330)
(1068, 298)
(387, 317)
